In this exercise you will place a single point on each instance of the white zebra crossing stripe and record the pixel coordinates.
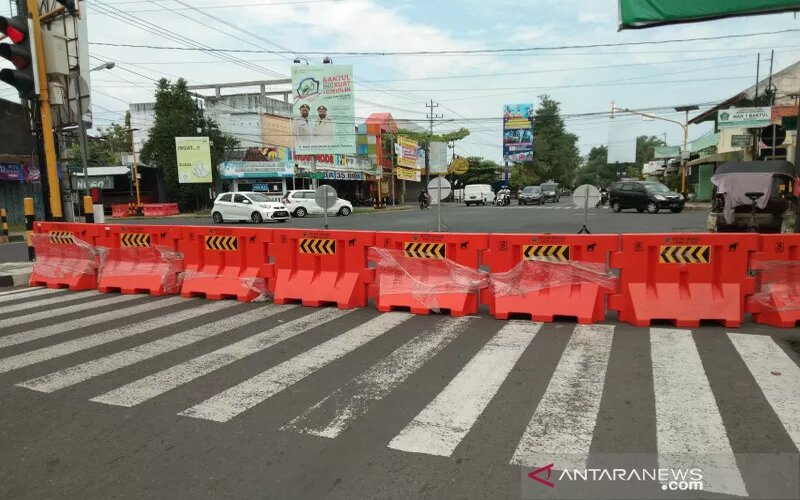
(690, 431)
(239, 398)
(154, 385)
(339, 410)
(763, 357)
(26, 293)
(440, 426)
(107, 364)
(563, 423)
(86, 321)
(72, 346)
(54, 302)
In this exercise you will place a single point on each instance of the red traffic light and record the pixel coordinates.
(15, 28)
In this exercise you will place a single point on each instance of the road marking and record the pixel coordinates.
(690, 431)
(158, 383)
(239, 398)
(83, 322)
(72, 346)
(563, 423)
(24, 293)
(337, 411)
(763, 357)
(84, 371)
(56, 302)
(442, 424)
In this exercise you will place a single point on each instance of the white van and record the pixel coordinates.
(478, 194)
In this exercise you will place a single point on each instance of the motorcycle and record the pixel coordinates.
(603, 199)
(425, 203)
(503, 199)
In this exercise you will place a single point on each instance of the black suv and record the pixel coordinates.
(531, 195)
(641, 195)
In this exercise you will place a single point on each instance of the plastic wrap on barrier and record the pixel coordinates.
(423, 279)
(64, 261)
(779, 286)
(534, 275)
(248, 286)
(157, 269)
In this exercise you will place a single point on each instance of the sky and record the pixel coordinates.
(470, 89)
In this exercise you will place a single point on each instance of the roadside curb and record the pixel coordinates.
(14, 238)
(15, 274)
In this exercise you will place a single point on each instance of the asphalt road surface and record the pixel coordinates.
(109, 396)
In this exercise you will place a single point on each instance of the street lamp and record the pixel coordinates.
(327, 60)
(298, 60)
(684, 126)
(82, 126)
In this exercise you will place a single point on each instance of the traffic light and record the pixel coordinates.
(22, 54)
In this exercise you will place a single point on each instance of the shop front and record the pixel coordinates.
(268, 177)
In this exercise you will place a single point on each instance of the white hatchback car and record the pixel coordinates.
(301, 203)
(244, 206)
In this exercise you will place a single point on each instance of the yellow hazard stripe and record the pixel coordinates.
(135, 240)
(317, 246)
(417, 250)
(222, 243)
(685, 254)
(549, 253)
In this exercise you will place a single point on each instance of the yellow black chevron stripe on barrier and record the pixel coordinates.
(62, 238)
(685, 254)
(135, 240)
(318, 246)
(549, 253)
(224, 243)
(425, 250)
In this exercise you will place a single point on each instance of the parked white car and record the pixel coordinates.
(478, 194)
(244, 206)
(301, 203)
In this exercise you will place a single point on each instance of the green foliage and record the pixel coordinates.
(177, 115)
(555, 151)
(421, 137)
(645, 152)
(597, 171)
(481, 171)
(523, 175)
(103, 151)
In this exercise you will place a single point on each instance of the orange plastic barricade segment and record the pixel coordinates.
(321, 267)
(226, 262)
(549, 276)
(65, 256)
(429, 272)
(141, 259)
(683, 278)
(777, 266)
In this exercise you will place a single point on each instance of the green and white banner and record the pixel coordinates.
(744, 117)
(647, 13)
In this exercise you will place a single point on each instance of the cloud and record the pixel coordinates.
(596, 17)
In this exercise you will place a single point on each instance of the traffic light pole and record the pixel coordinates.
(47, 118)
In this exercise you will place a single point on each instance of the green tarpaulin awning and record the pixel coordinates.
(648, 13)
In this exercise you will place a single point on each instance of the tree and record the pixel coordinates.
(481, 171)
(555, 151)
(523, 174)
(103, 151)
(177, 115)
(645, 152)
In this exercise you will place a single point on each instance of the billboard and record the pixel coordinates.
(518, 132)
(194, 159)
(649, 13)
(323, 110)
(276, 131)
(438, 158)
(236, 169)
(407, 152)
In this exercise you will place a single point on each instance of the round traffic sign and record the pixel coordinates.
(586, 196)
(325, 196)
(439, 189)
(459, 166)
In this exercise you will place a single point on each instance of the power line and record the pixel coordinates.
(468, 51)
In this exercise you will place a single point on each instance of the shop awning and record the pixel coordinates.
(717, 158)
(100, 171)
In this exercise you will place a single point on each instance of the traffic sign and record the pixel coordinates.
(586, 196)
(325, 196)
(439, 189)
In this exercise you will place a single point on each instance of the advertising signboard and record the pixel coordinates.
(518, 132)
(323, 111)
(276, 130)
(438, 158)
(744, 117)
(194, 159)
(255, 169)
(407, 152)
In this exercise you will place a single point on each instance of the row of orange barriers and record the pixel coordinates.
(681, 278)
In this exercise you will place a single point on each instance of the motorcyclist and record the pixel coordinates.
(424, 200)
(603, 197)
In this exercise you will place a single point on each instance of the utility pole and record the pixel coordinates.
(772, 102)
(755, 103)
(431, 116)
